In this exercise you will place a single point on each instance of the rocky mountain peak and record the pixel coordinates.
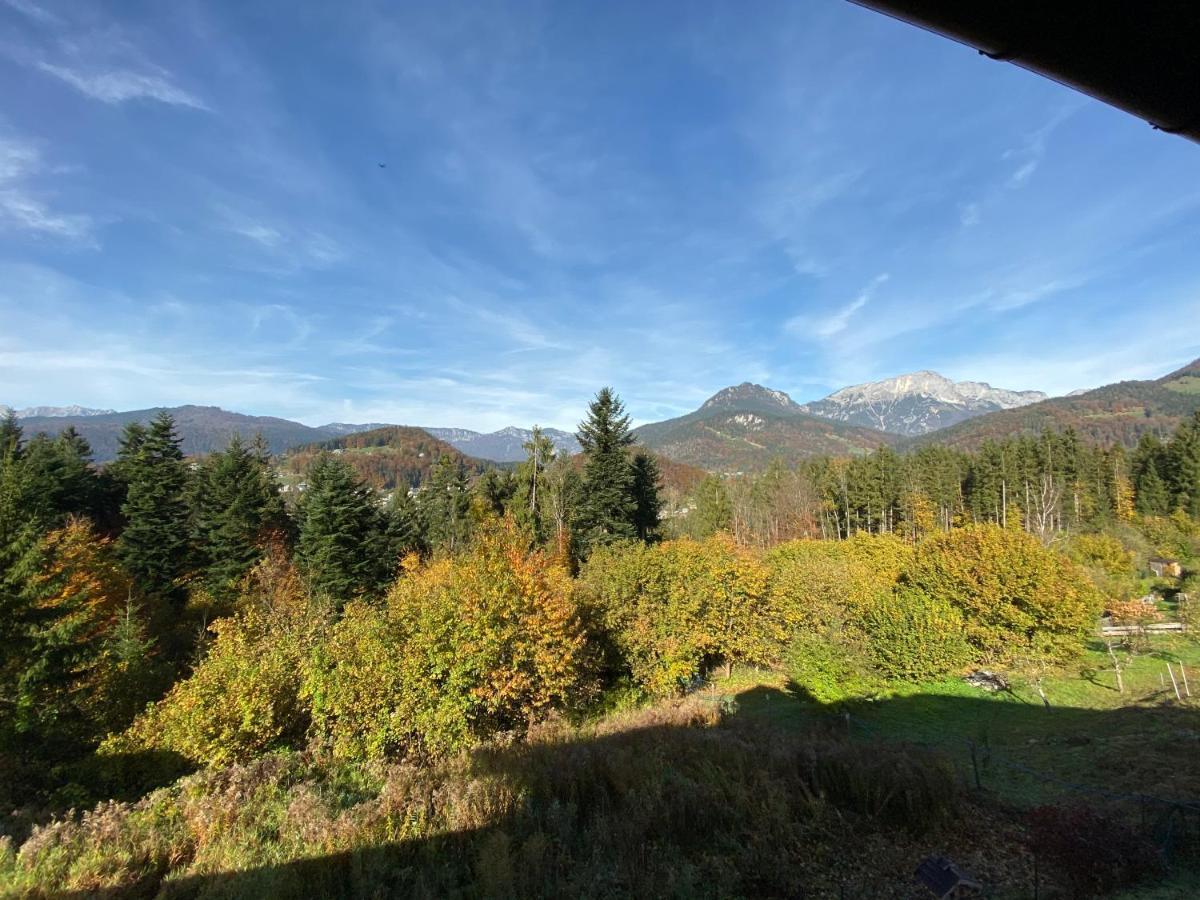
(917, 402)
(748, 395)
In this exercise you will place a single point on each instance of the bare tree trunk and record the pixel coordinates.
(1116, 667)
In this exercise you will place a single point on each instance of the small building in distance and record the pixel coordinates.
(1165, 568)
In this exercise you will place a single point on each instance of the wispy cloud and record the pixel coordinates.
(33, 11)
(120, 86)
(24, 210)
(824, 327)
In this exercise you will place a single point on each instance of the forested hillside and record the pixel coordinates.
(1114, 414)
(385, 458)
(203, 429)
(743, 429)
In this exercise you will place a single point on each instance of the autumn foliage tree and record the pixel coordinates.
(1019, 600)
(463, 647)
(671, 609)
(74, 596)
(243, 699)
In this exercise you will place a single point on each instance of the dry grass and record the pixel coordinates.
(666, 801)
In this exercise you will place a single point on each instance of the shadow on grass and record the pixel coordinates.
(684, 807)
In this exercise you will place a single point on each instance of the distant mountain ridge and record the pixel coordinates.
(55, 412)
(203, 429)
(738, 429)
(505, 445)
(338, 429)
(917, 403)
(1113, 414)
(743, 428)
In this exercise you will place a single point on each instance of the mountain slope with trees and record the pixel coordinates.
(742, 429)
(385, 458)
(202, 429)
(1114, 414)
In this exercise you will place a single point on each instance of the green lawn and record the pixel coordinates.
(1141, 742)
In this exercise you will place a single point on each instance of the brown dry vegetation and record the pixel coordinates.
(674, 800)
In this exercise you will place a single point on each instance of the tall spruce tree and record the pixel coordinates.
(608, 505)
(647, 510)
(1183, 466)
(404, 532)
(154, 545)
(10, 435)
(342, 547)
(236, 509)
(445, 505)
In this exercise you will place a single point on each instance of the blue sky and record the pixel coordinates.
(668, 198)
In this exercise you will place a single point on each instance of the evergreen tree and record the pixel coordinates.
(1150, 492)
(404, 532)
(10, 436)
(19, 540)
(72, 586)
(647, 511)
(236, 507)
(154, 545)
(714, 510)
(494, 491)
(608, 505)
(1183, 467)
(445, 504)
(342, 546)
(62, 480)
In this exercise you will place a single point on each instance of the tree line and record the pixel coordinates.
(1047, 485)
(110, 577)
(419, 625)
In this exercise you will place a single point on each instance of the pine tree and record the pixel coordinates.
(404, 532)
(445, 505)
(714, 511)
(1183, 467)
(154, 545)
(10, 436)
(236, 507)
(647, 512)
(62, 480)
(342, 548)
(607, 509)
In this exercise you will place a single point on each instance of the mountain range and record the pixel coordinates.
(55, 412)
(505, 445)
(738, 429)
(917, 403)
(742, 428)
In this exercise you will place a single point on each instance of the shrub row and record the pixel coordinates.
(494, 638)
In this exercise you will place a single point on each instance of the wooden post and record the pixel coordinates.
(1174, 683)
(1186, 689)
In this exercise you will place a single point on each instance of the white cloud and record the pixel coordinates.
(829, 326)
(118, 86)
(33, 11)
(22, 209)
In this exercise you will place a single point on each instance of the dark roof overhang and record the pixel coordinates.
(1142, 57)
